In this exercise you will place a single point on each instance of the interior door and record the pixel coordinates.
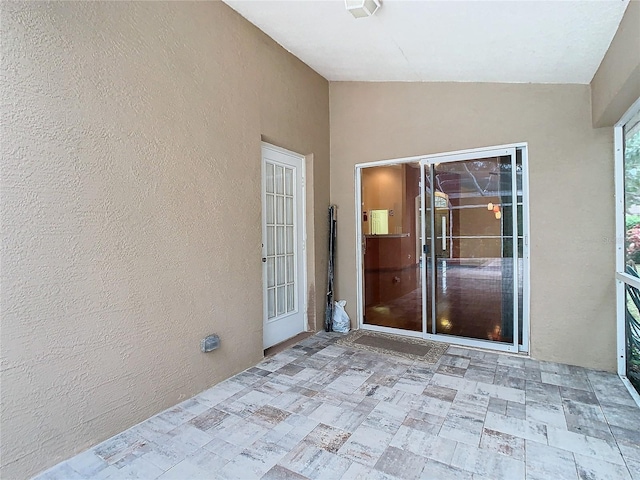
(282, 245)
(471, 246)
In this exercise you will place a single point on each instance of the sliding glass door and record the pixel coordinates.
(443, 245)
(391, 246)
(627, 134)
(471, 232)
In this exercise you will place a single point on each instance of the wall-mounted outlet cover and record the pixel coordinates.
(210, 343)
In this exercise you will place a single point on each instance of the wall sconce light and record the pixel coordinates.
(362, 8)
(498, 215)
(490, 206)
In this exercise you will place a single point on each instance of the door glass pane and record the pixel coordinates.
(279, 179)
(271, 272)
(280, 270)
(269, 178)
(290, 270)
(271, 242)
(289, 246)
(270, 207)
(392, 263)
(288, 184)
(289, 210)
(473, 248)
(271, 302)
(279, 209)
(280, 246)
(290, 299)
(280, 300)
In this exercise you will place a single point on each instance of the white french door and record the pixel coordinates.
(283, 269)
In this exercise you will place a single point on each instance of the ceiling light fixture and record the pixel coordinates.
(362, 8)
(495, 209)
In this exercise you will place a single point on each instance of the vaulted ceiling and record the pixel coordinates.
(512, 41)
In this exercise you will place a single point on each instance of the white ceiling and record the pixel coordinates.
(512, 41)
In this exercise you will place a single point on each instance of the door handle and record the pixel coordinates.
(264, 259)
(444, 232)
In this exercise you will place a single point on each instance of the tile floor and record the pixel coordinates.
(322, 411)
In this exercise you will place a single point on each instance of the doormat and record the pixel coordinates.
(407, 347)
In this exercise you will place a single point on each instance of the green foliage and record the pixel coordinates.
(632, 221)
(632, 330)
(632, 194)
(633, 244)
(632, 170)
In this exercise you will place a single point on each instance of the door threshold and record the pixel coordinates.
(451, 340)
(490, 350)
(271, 351)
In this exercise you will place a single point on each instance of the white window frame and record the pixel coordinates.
(622, 278)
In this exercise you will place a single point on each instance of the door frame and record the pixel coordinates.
(621, 277)
(301, 218)
(438, 158)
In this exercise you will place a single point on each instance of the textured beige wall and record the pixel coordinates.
(616, 84)
(571, 187)
(131, 209)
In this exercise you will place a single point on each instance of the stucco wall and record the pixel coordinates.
(571, 190)
(131, 209)
(616, 84)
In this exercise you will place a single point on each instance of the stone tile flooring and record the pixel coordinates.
(323, 411)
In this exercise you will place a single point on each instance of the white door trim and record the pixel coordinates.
(417, 158)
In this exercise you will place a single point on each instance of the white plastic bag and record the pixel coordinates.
(341, 322)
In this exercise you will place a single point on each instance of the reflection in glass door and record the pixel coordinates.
(443, 244)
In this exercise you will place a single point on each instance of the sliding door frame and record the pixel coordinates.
(360, 240)
(622, 278)
(450, 157)
(431, 162)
